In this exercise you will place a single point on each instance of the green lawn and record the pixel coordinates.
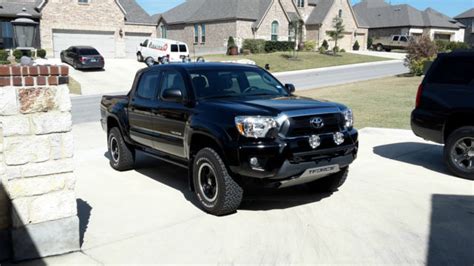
(280, 62)
(385, 103)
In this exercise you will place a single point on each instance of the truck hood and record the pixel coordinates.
(272, 106)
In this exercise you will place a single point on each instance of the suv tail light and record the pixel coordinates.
(418, 95)
(83, 59)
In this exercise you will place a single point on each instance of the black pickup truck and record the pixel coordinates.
(234, 127)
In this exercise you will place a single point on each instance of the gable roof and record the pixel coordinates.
(193, 11)
(319, 12)
(468, 14)
(379, 14)
(133, 12)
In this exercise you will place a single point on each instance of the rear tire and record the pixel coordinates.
(149, 61)
(122, 156)
(379, 48)
(330, 183)
(215, 189)
(459, 152)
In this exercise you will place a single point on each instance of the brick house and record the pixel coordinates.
(207, 24)
(114, 27)
(385, 20)
(467, 19)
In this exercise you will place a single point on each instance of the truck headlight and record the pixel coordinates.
(348, 118)
(255, 126)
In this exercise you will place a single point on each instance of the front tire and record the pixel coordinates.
(215, 189)
(140, 57)
(122, 156)
(459, 152)
(330, 183)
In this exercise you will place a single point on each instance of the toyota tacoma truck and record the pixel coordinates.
(234, 127)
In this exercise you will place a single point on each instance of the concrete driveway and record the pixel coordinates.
(399, 206)
(117, 76)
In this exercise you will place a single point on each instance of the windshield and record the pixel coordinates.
(220, 83)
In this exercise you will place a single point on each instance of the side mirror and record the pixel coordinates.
(290, 88)
(173, 95)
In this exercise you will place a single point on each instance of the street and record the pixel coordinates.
(87, 108)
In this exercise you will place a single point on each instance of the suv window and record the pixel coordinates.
(174, 48)
(88, 52)
(454, 70)
(148, 85)
(404, 39)
(396, 38)
(172, 79)
(182, 48)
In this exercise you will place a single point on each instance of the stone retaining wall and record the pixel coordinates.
(38, 209)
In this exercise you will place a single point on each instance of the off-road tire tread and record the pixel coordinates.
(127, 154)
(233, 193)
(451, 140)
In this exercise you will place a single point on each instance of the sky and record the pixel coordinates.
(451, 8)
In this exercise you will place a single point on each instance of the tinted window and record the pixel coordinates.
(174, 48)
(235, 83)
(454, 70)
(173, 80)
(182, 48)
(404, 39)
(88, 52)
(396, 38)
(148, 85)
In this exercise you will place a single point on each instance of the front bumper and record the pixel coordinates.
(288, 159)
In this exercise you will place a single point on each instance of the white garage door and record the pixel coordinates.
(132, 40)
(103, 41)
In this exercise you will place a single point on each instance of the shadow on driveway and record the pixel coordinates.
(257, 200)
(429, 156)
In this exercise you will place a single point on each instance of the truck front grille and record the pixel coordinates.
(301, 126)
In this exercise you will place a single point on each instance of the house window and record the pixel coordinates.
(196, 33)
(164, 33)
(300, 3)
(6, 35)
(203, 33)
(340, 13)
(275, 31)
(83, 1)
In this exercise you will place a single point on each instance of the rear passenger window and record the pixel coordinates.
(455, 71)
(174, 48)
(148, 85)
(182, 48)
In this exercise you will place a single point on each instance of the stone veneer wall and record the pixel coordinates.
(38, 211)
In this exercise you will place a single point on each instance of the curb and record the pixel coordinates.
(390, 61)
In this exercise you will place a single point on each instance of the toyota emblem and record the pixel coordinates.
(317, 122)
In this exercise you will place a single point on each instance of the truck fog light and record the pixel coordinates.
(254, 162)
(314, 141)
(338, 138)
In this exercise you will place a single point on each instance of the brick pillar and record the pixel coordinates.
(36, 162)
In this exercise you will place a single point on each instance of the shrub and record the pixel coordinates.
(310, 46)
(447, 46)
(336, 49)
(3, 55)
(322, 50)
(419, 52)
(17, 54)
(231, 42)
(356, 46)
(325, 45)
(256, 46)
(275, 46)
(343, 50)
(41, 53)
(370, 42)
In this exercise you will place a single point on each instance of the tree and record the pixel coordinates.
(296, 33)
(338, 32)
(419, 52)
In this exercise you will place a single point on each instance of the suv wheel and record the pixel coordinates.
(459, 152)
(122, 157)
(216, 191)
(140, 57)
(379, 48)
(330, 183)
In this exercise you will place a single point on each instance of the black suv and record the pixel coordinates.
(233, 126)
(445, 110)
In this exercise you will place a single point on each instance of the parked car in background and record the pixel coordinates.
(162, 50)
(391, 43)
(233, 127)
(445, 110)
(83, 57)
